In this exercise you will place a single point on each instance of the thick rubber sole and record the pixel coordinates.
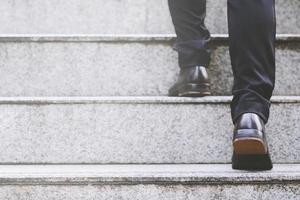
(192, 90)
(251, 154)
(252, 162)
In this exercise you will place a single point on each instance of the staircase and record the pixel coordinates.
(84, 110)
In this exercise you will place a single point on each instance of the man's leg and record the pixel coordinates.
(192, 38)
(252, 41)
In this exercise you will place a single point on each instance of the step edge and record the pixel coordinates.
(134, 100)
(117, 37)
(145, 174)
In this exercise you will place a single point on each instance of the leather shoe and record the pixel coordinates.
(192, 82)
(250, 144)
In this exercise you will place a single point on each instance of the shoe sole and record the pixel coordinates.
(252, 162)
(249, 146)
(192, 90)
(251, 154)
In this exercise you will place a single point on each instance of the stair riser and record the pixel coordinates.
(134, 133)
(120, 68)
(153, 192)
(118, 16)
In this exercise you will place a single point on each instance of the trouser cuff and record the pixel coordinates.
(249, 102)
(192, 53)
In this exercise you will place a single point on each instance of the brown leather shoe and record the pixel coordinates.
(249, 144)
(192, 82)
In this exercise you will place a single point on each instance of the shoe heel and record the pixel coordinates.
(249, 142)
(194, 90)
(252, 162)
(249, 146)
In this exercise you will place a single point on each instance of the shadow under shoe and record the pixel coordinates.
(250, 145)
(192, 82)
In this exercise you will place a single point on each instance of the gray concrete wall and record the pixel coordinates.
(118, 67)
(135, 130)
(118, 16)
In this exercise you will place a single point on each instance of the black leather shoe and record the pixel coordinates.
(192, 82)
(250, 145)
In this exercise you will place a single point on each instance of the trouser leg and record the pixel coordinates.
(192, 35)
(252, 52)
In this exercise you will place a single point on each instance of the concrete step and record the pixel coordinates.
(124, 65)
(134, 130)
(118, 16)
(165, 182)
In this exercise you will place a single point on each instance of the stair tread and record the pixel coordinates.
(132, 99)
(116, 37)
(143, 174)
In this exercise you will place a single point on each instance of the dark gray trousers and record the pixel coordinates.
(252, 29)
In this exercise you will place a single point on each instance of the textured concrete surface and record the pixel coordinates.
(108, 66)
(118, 16)
(153, 192)
(135, 130)
(201, 174)
(186, 182)
(120, 37)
